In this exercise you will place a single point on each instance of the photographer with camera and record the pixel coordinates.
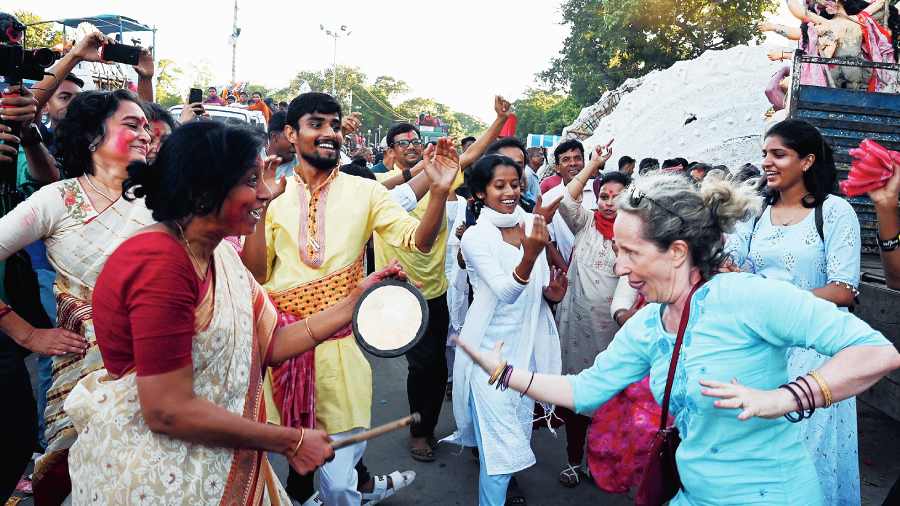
(17, 433)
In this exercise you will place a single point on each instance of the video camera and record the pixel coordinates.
(16, 62)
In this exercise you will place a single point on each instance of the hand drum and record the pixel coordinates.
(390, 318)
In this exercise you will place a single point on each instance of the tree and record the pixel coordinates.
(469, 125)
(43, 35)
(544, 112)
(612, 40)
(168, 77)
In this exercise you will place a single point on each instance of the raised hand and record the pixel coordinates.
(559, 283)
(441, 163)
(270, 178)
(88, 48)
(313, 453)
(602, 154)
(887, 195)
(501, 107)
(190, 112)
(351, 123)
(535, 242)
(144, 68)
(547, 212)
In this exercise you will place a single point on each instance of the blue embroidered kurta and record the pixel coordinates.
(740, 327)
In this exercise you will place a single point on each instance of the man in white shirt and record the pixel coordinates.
(569, 157)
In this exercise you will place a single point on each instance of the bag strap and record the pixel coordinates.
(673, 364)
(820, 221)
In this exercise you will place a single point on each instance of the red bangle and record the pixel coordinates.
(5, 310)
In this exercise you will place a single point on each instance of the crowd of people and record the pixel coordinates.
(189, 286)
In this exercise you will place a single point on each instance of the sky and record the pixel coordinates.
(460, 53)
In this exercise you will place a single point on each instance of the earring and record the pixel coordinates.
(92, 148)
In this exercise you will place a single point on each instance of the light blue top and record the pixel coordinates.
(795, 253)
(739, 327)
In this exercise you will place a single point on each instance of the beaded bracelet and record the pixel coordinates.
(794, 417)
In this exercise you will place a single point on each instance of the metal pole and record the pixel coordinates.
(234, 46)
(334, 68)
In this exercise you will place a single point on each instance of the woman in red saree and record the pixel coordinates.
(176, 416)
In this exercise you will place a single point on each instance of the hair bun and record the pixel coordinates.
(729, 202)
(142, 180)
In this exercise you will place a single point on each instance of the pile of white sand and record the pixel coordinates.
(724, 90)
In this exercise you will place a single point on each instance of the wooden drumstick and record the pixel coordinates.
(377, 431)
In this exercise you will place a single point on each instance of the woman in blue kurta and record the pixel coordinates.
(786, 243)
(736, 448)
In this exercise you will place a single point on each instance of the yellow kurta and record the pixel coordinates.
(424, 268)
(346, 213)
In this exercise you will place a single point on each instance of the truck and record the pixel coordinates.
(845, 117)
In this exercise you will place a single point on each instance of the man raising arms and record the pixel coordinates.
(310, 255)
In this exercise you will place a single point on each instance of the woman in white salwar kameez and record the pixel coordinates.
(512, 284)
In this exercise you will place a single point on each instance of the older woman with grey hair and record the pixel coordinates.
(730, 396)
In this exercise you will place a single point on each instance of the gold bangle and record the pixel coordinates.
(520, 279)
(826, 392)
(309, 330)
(497, 372)
(297, 448)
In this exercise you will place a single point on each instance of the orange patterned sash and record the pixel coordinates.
(294, 381)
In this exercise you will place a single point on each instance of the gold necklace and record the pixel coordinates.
(190, 252)
(87, 178)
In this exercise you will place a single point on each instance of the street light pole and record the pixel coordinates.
(335, 34)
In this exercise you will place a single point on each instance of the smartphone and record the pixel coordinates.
(195, 96)
(120, 53)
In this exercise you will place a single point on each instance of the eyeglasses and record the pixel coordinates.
(406, 142)
(638, 195)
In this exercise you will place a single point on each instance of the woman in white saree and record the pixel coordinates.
(176, 416)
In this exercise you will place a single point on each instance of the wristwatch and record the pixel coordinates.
(889, 244)
(31, 136)
(407, 175)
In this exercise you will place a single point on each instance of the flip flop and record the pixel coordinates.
(422, 454)
(381, 491)
(570, 477)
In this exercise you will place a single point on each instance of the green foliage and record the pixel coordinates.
(168, 75)
(374, 101)
(613, 40)
(544, 112)
(44, 35)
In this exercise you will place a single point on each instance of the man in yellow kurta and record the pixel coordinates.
(310, 255)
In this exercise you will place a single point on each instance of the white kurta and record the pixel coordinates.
(585, 325)
(502, 310)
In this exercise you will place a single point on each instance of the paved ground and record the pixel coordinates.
(451, 481)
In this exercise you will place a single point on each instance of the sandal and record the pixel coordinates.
(422, 454)
(570, 476)
(382, 491)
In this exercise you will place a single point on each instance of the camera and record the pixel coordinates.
(17, 63)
